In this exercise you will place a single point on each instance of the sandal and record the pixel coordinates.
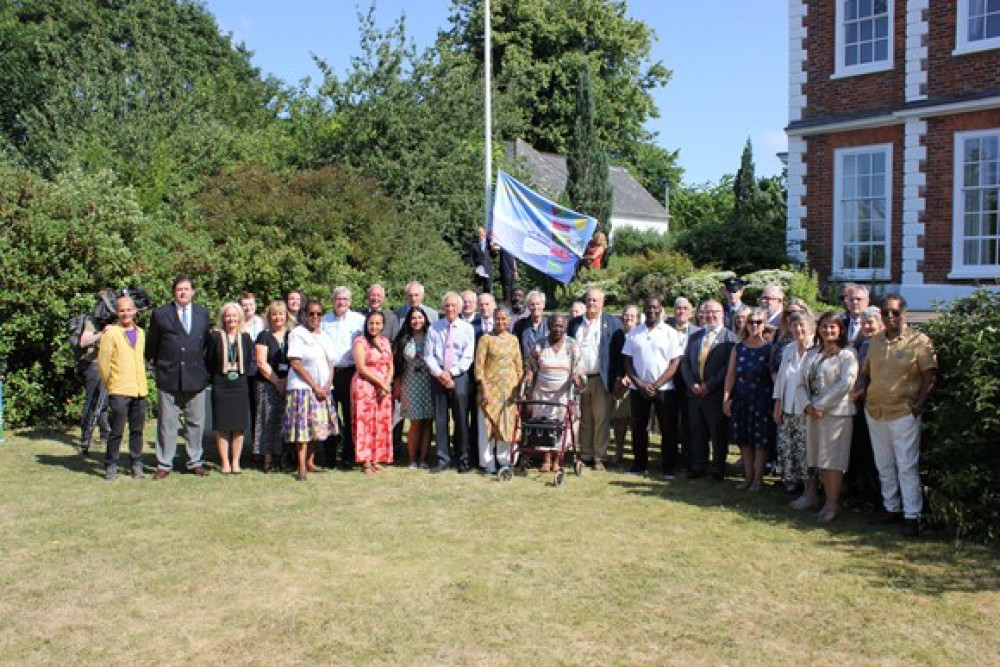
(368, 469)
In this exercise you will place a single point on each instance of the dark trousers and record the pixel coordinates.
(342, 398)
(456, 402)
(94, 406)
(664, 406)
(484, 284)
(471, 403)
(132, 410)
(861, 479)
(708, 424)
(507, 282)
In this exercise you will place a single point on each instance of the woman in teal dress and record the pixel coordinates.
(412, 385)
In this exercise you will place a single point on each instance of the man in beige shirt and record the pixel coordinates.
(900, 371)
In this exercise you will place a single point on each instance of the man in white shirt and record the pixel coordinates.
(652, 354)
(593, 332)
(449, 352)
(341, 327)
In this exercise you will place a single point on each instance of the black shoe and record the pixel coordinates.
(886, 518)
(636, 472)
(137, 471)
(696, 474)
(111, 472)
(463, 470)
(718, 477)
(911, 528)
(437, 470)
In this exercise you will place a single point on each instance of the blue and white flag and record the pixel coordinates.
(537, 231)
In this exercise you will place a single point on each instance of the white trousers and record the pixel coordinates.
(896, 444)
(487, 461)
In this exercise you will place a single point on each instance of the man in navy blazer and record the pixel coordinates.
(175, 346)
(704, 367)
(593, 331)
(481, 259)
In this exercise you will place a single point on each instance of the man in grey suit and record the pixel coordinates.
(704, 367)
(176, 348)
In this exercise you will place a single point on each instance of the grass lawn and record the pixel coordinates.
(412, 568)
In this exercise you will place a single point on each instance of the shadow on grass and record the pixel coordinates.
(91, 464)
(52, 435)
(929, 565)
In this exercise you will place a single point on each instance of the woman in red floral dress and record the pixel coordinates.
(371, 396)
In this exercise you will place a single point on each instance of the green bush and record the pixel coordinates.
(632, 241)
(655, 274)
(960, 453)
(740, 246)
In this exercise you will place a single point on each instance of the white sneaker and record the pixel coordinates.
(413, 466)
(803, 503)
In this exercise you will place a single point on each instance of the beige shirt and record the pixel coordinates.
(896, 369)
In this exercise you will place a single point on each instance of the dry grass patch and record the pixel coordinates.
(419, 569)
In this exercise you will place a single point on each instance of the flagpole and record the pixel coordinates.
(487, 107)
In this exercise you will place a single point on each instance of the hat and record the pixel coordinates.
(733, 285)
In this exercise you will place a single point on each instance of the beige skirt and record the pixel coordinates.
(828, 442)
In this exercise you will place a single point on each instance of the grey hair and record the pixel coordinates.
(535, 294)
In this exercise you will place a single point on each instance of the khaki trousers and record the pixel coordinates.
(595, 422)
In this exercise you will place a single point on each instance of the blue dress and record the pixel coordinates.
(415, 394)
(751, 397)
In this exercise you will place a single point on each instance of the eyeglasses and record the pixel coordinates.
(770, 298)
(756, 323)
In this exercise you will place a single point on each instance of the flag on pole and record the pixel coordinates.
(540, 233)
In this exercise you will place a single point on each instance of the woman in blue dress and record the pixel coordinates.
(412, 385)
(747, 398)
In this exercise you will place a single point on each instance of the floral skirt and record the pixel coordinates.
(308, 419)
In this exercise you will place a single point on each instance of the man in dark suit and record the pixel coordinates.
(508, 273)
(593, 331)
(733, 289)
(176, 348)
(856, 299)
(704, 367)
(482, 262)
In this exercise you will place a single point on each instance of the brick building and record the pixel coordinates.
(894, 143)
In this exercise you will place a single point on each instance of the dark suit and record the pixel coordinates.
(178, 358)
(683, 425)
(707, 421)
(508, 273)
(595, 403)
(479, 255)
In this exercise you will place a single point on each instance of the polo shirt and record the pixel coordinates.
(652, 350)
(895, 369)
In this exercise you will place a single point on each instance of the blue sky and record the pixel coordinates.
(729, 60)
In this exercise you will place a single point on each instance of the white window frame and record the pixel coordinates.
(959, 269)
(962, 43)
(841, 68)
(839, 271)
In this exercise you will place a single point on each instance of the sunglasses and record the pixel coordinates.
(891, 312)
(756, 323)
(315, 314)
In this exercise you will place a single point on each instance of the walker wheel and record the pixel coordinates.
(505, 475)
(578, 468)
(559, 478)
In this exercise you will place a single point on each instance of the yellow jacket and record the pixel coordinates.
(121, 366)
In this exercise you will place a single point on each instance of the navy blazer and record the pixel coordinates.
(610, 324)
(178, 358)
(716, 364)
(480, 256)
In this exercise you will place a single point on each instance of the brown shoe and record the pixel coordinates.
(161, 474)
(199, 471)
(599, 465)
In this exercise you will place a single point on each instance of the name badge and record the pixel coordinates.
(282, 368)
(232, 376)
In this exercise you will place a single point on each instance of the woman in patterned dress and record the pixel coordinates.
(310, 416)
(498, 370)
(747, 398)
(371, 396)
(790, 400)
(412, 385)
(552, 369)
(270, 351)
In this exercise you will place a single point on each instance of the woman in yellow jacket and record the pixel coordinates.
(123, 372)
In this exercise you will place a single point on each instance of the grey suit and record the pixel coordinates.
(707, 422)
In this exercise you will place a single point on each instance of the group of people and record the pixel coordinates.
(816, 398)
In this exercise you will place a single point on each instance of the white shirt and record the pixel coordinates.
(316, 354)
(342, 331)
(253, 327)
(180, 315)
(588, 335)
(652, 350)
(790, 382)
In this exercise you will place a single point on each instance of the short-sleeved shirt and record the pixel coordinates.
(277, 352)
(896, 371)
(316, 354)
(652, 350)
(342, 331)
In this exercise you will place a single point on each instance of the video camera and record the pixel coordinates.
(105, 311)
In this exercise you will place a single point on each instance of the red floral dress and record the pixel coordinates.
(372, 418)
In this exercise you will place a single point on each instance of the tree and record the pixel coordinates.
(147, 88)
(538, 49)
(745, 186)
(587, 183)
